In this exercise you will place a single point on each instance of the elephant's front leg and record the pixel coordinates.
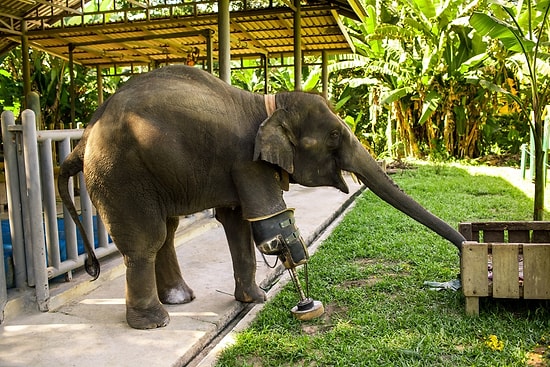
(171, 287)
(239, 237)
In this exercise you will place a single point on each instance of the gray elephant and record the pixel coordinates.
(178, 140)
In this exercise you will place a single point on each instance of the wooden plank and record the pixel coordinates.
(465, 229)
(511, 226)
(541, 236)
(493, 236)
(505, 270)
(518, 236)
(536, 271)
(472, 305)
(475, 282)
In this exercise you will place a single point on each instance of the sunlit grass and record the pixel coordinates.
(369, 274)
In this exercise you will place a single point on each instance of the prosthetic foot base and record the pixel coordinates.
(308, 309)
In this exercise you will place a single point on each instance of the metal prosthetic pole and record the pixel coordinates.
(307, 308)
(277, 235)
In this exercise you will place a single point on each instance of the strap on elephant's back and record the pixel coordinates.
(270, 105)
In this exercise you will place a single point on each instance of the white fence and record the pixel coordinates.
(44, 240)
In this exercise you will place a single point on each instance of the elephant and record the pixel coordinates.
(178, 140)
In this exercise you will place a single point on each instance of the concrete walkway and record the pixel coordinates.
(86, 325)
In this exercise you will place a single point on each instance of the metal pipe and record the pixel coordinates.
(25, 60)
(50, 212)
(224, 39)
(11, 171)
(69, 225)
(297, 46)
(72, 85)
(34, 194)
(324, 73)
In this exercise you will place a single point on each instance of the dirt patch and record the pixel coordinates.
(538, 357)
(359, 283)
(326, 322)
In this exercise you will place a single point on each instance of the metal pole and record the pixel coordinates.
(33, 103)
(11, 171)
(265, 59)
(50, 212)
(3, 283)
(99, 76)
(69, 225)
(297, 46)
(34, 194)
(224, 34)
(26, 62)
(72, 85)
(209, 52)
(324, 73)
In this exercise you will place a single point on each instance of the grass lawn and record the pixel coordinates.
(369, 274)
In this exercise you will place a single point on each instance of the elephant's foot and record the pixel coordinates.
(250, 294)
(149, 318)
(176, 295)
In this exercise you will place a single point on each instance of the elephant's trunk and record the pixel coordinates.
(371, 174)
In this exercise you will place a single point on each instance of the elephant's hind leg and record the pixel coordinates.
(241, 246)
(143, 308)
(139, 241)
(171, 287)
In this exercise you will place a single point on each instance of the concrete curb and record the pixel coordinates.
(208, 356)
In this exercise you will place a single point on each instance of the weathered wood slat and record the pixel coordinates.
(542, 236)
(511, 226)
(474, 275)
(505, 270)
(466, 230)
(519, 236)
(536, 271)
(493, 236)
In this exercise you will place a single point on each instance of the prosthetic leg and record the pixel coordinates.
(278, 235)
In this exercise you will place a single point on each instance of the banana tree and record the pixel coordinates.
(416, 49)
(522, 29)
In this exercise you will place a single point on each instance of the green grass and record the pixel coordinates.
(369, 274)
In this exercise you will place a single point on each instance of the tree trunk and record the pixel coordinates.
(538, 210)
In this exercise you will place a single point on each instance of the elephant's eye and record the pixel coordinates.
(334, 139)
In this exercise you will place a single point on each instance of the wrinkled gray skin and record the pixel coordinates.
(176, 141)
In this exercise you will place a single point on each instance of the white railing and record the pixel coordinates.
(41, 250)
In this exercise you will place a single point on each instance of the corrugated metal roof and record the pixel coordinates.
(149, 31)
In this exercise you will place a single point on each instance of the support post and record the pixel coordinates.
(265, 60)
(13, 189)
(224, 34)
(297, 46)
(209, 52)
(324, 73)
(26, 61)
(33, 103)
(72, 86)
(99, 76)
(34, 194)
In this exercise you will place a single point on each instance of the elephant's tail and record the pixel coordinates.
(70, 167)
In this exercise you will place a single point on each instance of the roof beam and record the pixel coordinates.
(343, 29)
(257, 45)
(144, 6)
(54, 5)
(143, 38)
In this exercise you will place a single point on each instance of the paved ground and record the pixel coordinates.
(87, 326)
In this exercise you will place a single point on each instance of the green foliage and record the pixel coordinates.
(369, 274)
(522, 29)
(50, 79)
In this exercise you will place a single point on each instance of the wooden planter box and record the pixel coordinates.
(505, 260)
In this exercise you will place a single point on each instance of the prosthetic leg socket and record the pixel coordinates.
(278, 235)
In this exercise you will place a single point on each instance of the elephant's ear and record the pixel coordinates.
(274, 142)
